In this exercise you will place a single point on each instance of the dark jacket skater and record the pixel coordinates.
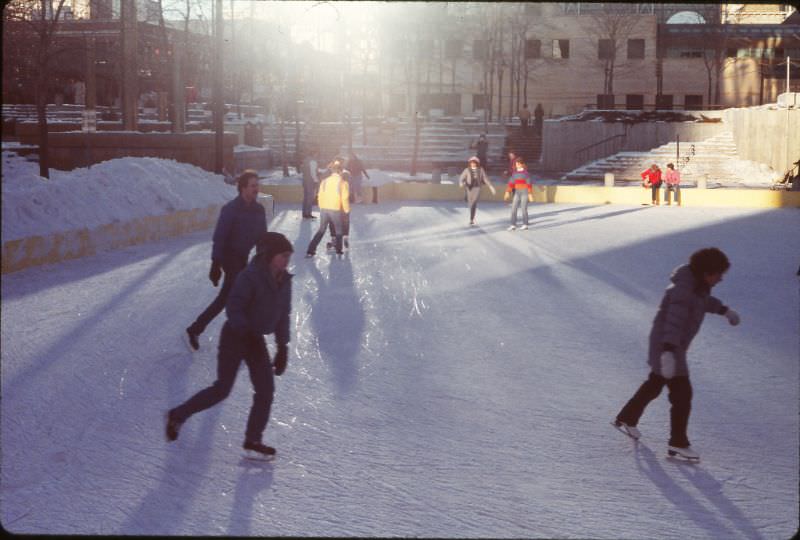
(240, 223)
(681, 312)
(259, 303)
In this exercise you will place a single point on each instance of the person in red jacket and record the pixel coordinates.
(520, 185)
(652, 179)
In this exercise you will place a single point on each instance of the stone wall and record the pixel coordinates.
(766, 135)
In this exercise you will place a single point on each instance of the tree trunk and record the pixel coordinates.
(41, 114)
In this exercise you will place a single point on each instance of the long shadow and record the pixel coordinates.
(337, 318)
(255, 478)
(605, 215)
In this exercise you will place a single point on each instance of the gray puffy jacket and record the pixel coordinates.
(683, 307)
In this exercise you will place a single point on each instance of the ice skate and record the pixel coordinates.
(173, 427)
(685, 453)
(630, 431)
(512, 228)
(191, 340)
(524, 227)
(346, 241)
(258, 451)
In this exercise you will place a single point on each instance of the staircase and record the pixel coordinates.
(524, 143)
(712, 157)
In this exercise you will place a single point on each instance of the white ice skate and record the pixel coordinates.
(685, 453)
(512, 228)
(630, 431)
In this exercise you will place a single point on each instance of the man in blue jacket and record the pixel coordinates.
(259, 303)
(240, 224)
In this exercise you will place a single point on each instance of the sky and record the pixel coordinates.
(443, 380)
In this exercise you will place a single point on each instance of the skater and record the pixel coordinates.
(520, 188)
(334, 201)
(346, 176)
(471, 179)
(651, 178)
(259, 303)
(239, 225)
(684, 305)
(357, 173)
(310, 182)
(672, 183)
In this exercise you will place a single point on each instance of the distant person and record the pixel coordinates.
(260, 303)
(681, 312)
(310, 182)
(538, 116)
(481, 147)
(471, 179)
(525, 117)
(357, 172)
(239, 225)
(651, 178)
(334, 202)
(521, 189)
(512, 158)
(672, 179)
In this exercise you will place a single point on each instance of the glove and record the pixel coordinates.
(215, 273)
(506, 196)
(732, 316)
(281, 357)
(667, 364)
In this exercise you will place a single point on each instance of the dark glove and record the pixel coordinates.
(281, 357)
(215, 273)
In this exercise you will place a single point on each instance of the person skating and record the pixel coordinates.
(334, 201)
(259, 303)
(357, 173)
(240, 223)
(521, 189)
(681, 312)
(471, 179)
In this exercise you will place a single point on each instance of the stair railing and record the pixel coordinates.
(583, 155)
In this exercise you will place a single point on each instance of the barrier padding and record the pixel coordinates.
(632, 195)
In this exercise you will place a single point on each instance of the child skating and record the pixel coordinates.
(471, 179)
(520, 188)
(681, 312)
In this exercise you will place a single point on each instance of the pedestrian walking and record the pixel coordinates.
(683, 307)
(651, 178)
(520, 189)
(471, 179)
(357, 173)
(259, 303)
(672, 180)
(525, 117)
(310, 182)
(334, 202)
(240, 223)
(481, 147)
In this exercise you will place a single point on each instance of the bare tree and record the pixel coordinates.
(612, 28)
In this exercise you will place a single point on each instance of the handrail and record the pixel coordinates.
(581, 153)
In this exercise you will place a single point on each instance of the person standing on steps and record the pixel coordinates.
(672, 180)
(334, 202)
(471, 179)
(521, 189)
(259, 303)
(310, 182)
(651, 178)
(240, 223)
(683, 307)
(525, 117)
(481, 147)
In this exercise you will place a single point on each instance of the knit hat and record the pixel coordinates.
(475, 159)
(270, 244)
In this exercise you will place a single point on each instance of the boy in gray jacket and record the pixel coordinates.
(259, 303)
(684, 305)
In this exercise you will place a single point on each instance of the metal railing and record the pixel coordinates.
(582, 155)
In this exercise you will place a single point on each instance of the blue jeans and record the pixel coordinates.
(327, 217)
(520, 198)
(232, 350)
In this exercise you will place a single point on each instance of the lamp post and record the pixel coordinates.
(219, 103)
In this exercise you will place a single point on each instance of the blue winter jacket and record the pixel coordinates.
(683, 308)
(238, 228)
(257, 304)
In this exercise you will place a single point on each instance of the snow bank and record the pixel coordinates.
(113, 191)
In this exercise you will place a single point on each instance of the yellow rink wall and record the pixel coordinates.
(633, 195)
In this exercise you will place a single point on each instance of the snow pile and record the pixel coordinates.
(113, 191)
(744, 173)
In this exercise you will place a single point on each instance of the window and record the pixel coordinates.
(684, 52)
(480, 49)
(693, 102)
(560, 48)
(478, 102)
(605, 49)
(635, 49)
(452, 48)
(664, 102)
(533, 48)
(449, 103)
(605, 101)
(634, 102)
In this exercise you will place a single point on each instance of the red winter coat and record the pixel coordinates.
(652, 177)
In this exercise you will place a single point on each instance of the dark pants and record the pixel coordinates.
(472, 209)
(327, 218)
(218, 304)
(232, 350)
(345, 226)
(655, 193)
(680, 396)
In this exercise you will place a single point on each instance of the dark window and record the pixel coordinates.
(478, 101)
(605, 101)
(449, 103)
(693, 102)
(730, 52)
(480, 49)
(605, 49)
(533, 48)
(635, 48)
(664, 101)
(452, 48)
(634, 102)
(560, 48)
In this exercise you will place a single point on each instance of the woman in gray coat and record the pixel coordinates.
(684, 305)
(471, 179)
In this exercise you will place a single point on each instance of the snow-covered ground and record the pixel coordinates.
(443, 381)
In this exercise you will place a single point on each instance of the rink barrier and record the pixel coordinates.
(627, 195)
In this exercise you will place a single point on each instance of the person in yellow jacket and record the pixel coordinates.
(334, 203)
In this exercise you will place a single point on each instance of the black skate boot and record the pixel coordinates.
(173, 427)
(258, 450)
